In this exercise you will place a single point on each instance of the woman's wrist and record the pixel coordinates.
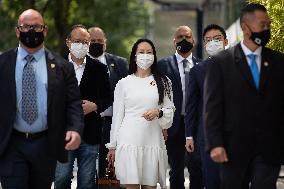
(160, 113)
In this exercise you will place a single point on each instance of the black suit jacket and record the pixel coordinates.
(193, 108)
(244, 120)
(95, 87)
(64, 111)
(118, 68)
(169, 67)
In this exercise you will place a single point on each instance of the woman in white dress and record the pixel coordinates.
(142, 108)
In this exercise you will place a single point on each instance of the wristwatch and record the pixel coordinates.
(161, 113)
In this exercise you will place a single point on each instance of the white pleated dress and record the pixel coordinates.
(140, 155)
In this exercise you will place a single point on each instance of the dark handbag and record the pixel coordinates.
(109, 181)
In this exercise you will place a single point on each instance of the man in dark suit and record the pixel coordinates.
(176, 67)
(40, 114)
(243, 107)
(215, 41)
(96, 94)
(117, 69)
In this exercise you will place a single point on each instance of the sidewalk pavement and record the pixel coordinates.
(280, 183)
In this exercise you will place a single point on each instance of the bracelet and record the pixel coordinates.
(161, 113)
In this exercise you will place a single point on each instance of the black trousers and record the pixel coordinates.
(27, 164)
(103, 163)
(176, 157)
(210, 170)
(256, 174)
(194, 166)
(179, 158)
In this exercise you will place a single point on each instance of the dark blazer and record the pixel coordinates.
(64, 111)
(169, 67)
(95, 87)
(194, 104)
(118, 68)
(244, 120)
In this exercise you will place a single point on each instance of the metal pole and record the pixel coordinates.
(199, 24)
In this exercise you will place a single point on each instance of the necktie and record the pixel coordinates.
(254, 69)
(186, 65)
(29, 93)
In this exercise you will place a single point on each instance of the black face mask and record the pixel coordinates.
(96, 49)
(261, 38)
(184, 46)
(31, 38)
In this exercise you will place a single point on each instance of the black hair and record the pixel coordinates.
(75, 27)
(163, 85)
(251, 8)
(214, 27)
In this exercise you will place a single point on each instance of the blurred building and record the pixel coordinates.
(226, 14)
(168, 14)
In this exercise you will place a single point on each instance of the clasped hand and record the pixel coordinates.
(151, 114)
(89, 107)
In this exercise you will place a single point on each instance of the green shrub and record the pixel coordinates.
(275, 10)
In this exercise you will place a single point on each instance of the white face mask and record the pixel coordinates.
(144, 61)
(79, 50)
(213, 47)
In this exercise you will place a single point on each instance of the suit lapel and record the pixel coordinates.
(265, 67)
(12, 75)
(194, 60)
(85, 72)
(51, 75)
(175, 70)
(242, 64)
(186, 76)
(113, 69)
(110, 64)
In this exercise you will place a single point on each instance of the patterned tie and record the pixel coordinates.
(186, 65)
(254, 69)
(29, 93)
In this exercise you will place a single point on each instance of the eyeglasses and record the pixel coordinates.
(215, 38)
(101, 41)
(79, 41)
(36, 28)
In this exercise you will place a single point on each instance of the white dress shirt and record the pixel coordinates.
(182, 75)
(257, 52)
(101, 58)
(79, 69)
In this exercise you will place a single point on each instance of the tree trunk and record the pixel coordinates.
(61, 13)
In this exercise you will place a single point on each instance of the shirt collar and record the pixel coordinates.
(76, 65)
(180, 58)
(247, 51)
(101, 59)
(37, 55)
